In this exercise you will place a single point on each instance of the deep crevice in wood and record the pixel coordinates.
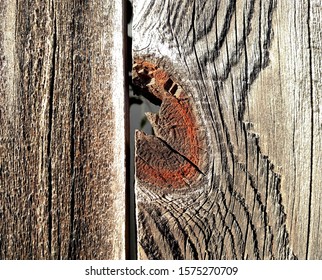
(312, 130)
(50, 121)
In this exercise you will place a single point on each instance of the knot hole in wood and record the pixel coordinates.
(175, 157)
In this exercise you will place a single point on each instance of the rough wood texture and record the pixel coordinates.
(62, 132)
(251, 73)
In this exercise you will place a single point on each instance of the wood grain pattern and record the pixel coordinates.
(248, 68)
(62, 133)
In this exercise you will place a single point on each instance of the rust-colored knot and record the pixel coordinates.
(174, 157)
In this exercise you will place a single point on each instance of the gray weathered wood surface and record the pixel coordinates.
(251, 73)
(62, 130)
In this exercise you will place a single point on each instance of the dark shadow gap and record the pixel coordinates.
(137, 107)
(130, 229)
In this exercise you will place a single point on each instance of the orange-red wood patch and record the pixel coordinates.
(172, 158)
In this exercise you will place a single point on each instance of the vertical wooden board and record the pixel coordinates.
(288, 122)
(228, 173)
(62, 167)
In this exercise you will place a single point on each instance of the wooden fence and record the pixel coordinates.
(233, 168)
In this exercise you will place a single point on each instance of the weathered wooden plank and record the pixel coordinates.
(288, 120)
(240, 181)
(62, 135)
